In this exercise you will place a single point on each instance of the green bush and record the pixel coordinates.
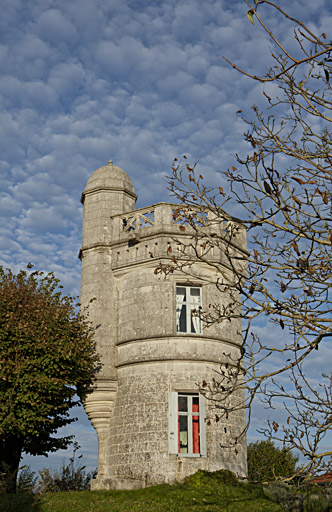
(267, 462)
(319, 501)
(202, 478)
(71, 477)
(26, 480)
(284, 495)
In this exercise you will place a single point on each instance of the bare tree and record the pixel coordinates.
(284, 187)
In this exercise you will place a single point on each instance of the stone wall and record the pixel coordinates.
(143, 357)
(138, 452)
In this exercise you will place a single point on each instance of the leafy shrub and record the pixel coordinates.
(26, 480)
(267, 462)
(71, 477)
(202, 478)
(319, 501)
(283, 494)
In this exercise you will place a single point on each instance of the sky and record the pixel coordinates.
(138, 82)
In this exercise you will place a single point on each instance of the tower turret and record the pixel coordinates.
(108, 192)
(150, 417)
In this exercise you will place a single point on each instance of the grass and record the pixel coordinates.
(202, 492)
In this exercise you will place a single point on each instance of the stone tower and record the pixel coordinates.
(150, 419)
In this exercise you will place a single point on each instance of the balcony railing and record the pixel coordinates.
(137, 233)
(160, 216)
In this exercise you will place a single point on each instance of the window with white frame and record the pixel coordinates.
(188, 306)
(187, 433)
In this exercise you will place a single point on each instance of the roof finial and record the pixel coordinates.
(110, 162)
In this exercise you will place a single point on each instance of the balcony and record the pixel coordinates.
(162, 230)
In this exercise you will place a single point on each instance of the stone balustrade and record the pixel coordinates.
(136, 234)
(170, 218)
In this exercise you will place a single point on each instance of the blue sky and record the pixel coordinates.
(138, 82)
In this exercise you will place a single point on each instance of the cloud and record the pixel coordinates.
(55, 27)
(67, 79)
(137, 82)
(48, 220)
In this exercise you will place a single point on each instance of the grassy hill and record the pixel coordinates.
(202, 492)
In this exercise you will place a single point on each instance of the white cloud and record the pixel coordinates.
(8, 206)
(67, 78)
(137, 82)
(55, 27)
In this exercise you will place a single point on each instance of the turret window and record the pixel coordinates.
(188, 307)
(187, 436)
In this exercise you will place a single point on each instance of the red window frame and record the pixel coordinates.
(190, 411)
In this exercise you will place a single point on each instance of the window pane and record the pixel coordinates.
(195, 404)
(183, 404)
(183, 434)
(195, 322)
(195, 294)
(182, 325)
(180, 293)
(195, 430)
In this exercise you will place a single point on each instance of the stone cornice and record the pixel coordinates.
(102, 188)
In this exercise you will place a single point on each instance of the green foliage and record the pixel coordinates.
(26, 480)
(318, 501)
(267, 462)
(47, 354)
(207, 492)
(284, 495)
(202, 478)
(71, 477)
(310, 499)
(20, 502)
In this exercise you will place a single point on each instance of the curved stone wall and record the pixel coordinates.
(144, 359)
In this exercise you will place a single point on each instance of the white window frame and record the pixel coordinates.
(187, 301)
(173, 435)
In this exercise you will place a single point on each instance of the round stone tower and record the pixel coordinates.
(108, 192)
(151, 420)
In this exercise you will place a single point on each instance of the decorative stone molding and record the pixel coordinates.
(98, 404)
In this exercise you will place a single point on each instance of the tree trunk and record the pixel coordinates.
(10, 456)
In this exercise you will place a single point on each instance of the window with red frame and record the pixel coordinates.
(188, 424)
(187, 430)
